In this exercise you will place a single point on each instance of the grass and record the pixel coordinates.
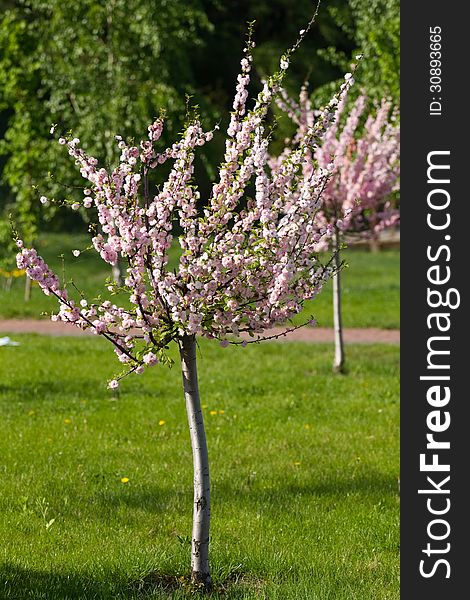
(304, 469)
(370, 285)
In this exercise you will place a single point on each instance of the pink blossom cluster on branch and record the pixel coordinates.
(365, 153)
(247, 263)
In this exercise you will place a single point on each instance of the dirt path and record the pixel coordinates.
(305, 334)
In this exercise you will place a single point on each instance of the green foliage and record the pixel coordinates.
(304, 470)
(8, 247)
(370, 290)
(96, 68)
(378, 35)
(374, 25)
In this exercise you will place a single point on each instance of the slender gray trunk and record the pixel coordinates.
(27, 289)
(200, 571)
(116, 271)
(338, 364)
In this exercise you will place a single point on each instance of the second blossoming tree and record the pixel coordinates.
(357, 199)
(247, 262)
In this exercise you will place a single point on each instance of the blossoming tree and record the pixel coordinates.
(357, 198)
(247, 263)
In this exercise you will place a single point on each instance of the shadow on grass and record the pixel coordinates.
(18, 583)
(50, 389)
(235, 585)
(278, 498)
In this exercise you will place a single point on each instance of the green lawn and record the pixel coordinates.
(370, 285)
(371, 291)
(304, 468)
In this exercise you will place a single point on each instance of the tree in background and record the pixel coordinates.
(94, 67)
(358, 199)
(374, 27)
(103, 66)
(8, 268)
(247, 263)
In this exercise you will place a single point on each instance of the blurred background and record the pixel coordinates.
(100, 68)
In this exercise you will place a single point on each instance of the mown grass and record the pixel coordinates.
(304, 470)
(370, 285)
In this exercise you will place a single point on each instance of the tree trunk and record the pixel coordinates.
(200, 571)
(116, 272)
(27, 289)
(374, 243)
(338, 364)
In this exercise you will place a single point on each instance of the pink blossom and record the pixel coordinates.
(150, 359)
(363, 163)
(247, 263)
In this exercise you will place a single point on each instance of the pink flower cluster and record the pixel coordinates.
(37, 269)
(247, 263)
(365, 157)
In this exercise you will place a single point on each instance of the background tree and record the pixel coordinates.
(247, 263)
(359, 197)
(374, 28)
(94, 67)
(99, 67)
(7, 254)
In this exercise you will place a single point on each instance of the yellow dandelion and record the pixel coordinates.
(306, 426)
(67, 421)
(297, 463)
(161, 422)
(221, 412)
(124, 479)
(213, 412)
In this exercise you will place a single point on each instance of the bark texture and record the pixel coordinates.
(201, 510)
(338, 364)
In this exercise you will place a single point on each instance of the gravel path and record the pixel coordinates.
(305, 334)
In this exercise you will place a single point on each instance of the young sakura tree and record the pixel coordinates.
(357, 199)
(247, 263)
